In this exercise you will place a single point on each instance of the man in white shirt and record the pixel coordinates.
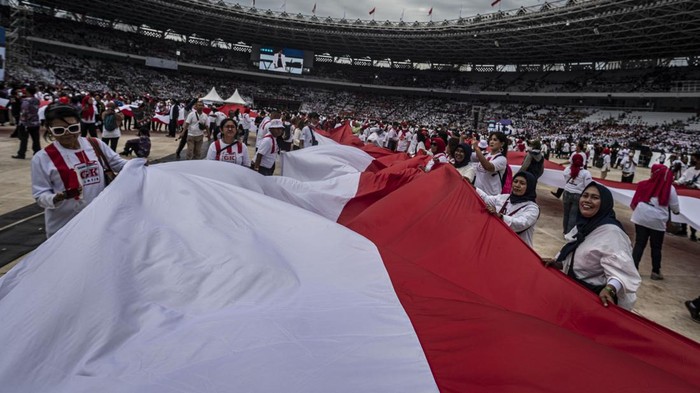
(196, 126)
(404, 140)
(629, 167)
(308, 133)
(621, 157)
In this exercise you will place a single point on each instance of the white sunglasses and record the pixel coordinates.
(72, 129)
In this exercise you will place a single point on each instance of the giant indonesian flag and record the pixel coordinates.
(365, 276)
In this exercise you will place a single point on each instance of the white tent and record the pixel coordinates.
(235, 99)
(213, 96)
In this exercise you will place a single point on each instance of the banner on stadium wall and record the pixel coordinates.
(156, 62)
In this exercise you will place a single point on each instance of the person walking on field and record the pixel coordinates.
(29, 124)
(196, 127)
(651, 203)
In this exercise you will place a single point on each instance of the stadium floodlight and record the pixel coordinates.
(596, 31)
(497, 44)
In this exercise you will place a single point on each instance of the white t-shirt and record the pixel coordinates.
(577, 185)
(441, 159)
(582, 154)
(520, 217)
(194, 119)
(297, 136)
(629, 166)
(268, 150)
(690, 174)
(653, 216)
(220, 116)
(237, 153)
(306, 136)
(404, 141)
(47, 182)
(262, 131)
(490, 182)
(245, 121)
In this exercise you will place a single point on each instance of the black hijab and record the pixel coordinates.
(530, 191)
(467, 155)
(605, 215)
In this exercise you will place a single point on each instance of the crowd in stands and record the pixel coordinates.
(662, 79)
(76, 75)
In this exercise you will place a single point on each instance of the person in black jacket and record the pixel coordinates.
(174, 117)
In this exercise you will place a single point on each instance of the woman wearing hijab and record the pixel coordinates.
(576, 179)
(437, 150)
(600, 254)
(651, 203)
(519, 210)
(462, 158)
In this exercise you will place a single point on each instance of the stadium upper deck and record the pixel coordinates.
(568, 31)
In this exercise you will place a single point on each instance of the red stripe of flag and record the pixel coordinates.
(489, 316)
(495, 2)
(371, 12)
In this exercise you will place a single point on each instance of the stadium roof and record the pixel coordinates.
(567, 31)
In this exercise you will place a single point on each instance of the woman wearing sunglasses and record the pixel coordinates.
(67, 174)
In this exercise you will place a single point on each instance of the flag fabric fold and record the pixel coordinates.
(226, 293)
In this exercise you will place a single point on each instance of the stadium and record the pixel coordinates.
(354, 267)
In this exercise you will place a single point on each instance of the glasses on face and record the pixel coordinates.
(71, 129)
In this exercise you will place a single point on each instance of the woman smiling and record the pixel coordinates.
(519, 210)
(600, 256)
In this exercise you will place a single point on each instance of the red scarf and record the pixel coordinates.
(88, 110)
(576, 164)
(659, 186)
(439, 143)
